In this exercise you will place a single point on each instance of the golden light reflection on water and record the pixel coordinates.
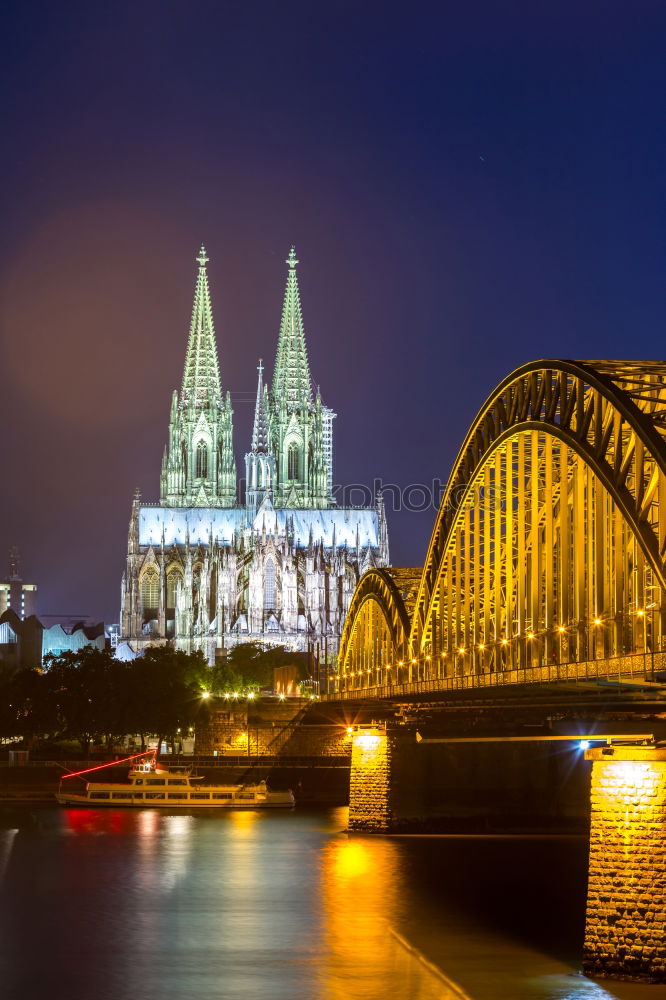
(243, 820)
(364, 901)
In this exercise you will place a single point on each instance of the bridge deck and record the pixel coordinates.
(630, 669)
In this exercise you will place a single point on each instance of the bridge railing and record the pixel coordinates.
(631, 667)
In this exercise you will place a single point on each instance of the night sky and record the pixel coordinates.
(469, 186)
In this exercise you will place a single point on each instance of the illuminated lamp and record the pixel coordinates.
(368, 739)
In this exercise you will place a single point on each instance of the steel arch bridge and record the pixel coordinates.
(548, 555)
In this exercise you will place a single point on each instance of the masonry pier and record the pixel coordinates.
(625, 934)
(386, 788)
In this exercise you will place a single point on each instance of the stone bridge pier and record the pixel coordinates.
(625, 933)
(625, 936)
(387, 781)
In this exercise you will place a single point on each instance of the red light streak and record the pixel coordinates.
(112, 763)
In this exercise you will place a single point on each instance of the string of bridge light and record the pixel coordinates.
(557, 630)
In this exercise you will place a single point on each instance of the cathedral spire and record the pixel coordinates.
(259, 461)
(201, 376)
(199, 469)
(291, 380)
(260, 429)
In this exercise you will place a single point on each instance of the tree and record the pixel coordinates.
(27, 708)
(163, 691)
(84, 692)
(254, 663)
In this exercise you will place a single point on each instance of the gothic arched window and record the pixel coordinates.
(269, 586)
(150, 590)
(292, 461)
(202, 460)
(173, 579)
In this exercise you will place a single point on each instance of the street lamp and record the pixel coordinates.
(641, 614)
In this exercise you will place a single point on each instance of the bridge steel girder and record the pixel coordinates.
(377, 591)
(612, 414)
(576, 452)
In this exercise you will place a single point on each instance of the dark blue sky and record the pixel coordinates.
(469, 187)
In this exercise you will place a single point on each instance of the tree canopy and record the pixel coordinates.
(91, 697)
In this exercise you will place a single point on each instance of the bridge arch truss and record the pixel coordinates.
(549, 546)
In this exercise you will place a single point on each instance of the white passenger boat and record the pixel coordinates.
(150, 786)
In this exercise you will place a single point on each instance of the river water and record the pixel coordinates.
(285, 906)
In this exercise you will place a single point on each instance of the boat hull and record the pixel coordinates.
(82, 800)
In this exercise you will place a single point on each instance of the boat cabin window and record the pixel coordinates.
(199, 795)
(154, 781)
(121, 795)
(154, 795)
(99, 795)
(138, 781)
(223, 795)
(177, 781)
(177, 795)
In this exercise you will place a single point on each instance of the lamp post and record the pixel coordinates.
(641, 614)
(652, 607)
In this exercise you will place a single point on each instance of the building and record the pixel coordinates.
(14, 593)
(207, 571)
(25, 642)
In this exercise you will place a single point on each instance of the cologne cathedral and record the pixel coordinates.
(207, 569)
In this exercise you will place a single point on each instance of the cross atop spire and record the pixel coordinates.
(260, 428)
(291, 381)
(201, 376)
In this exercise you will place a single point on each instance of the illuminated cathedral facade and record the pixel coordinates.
(206, 569)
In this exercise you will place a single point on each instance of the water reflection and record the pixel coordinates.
(6, 844)
(364, 898)
(283, 906)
